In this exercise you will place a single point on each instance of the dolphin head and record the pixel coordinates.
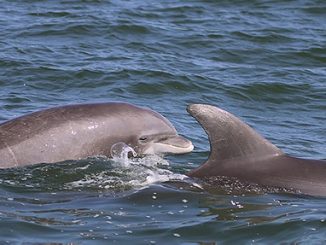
(154, 134)
(159, 137)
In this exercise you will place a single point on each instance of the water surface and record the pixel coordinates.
(264, 61)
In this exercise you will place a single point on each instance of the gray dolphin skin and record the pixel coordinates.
(80, 131)
(239, 151)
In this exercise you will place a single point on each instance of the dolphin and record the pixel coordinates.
(79, 131)
(239, 151)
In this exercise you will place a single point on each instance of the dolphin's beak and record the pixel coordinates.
(172, 144)
(177, 144)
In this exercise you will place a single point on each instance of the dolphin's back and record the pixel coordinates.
(51, 134)
(238, 151)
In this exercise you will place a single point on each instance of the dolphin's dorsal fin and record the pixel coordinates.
(230, 138)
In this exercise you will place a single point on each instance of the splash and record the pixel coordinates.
(120, 152)
(125, 171)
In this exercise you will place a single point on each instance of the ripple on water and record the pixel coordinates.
(262, 60)
(274, 92)
(94, 174)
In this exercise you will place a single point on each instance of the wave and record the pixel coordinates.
(275, 92)
(93, 174)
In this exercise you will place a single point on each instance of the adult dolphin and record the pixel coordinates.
(80, 131)
(238, 151)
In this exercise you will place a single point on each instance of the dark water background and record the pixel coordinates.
(264, 61)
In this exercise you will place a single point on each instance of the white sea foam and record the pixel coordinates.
(128, 173)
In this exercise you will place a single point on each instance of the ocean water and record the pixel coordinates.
(264, 61)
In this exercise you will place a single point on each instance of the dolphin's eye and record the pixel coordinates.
(143, 138)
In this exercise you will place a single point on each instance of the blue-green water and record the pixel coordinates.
(264, 61)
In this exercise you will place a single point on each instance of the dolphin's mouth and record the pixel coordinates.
(177, 144)
(171, 144)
